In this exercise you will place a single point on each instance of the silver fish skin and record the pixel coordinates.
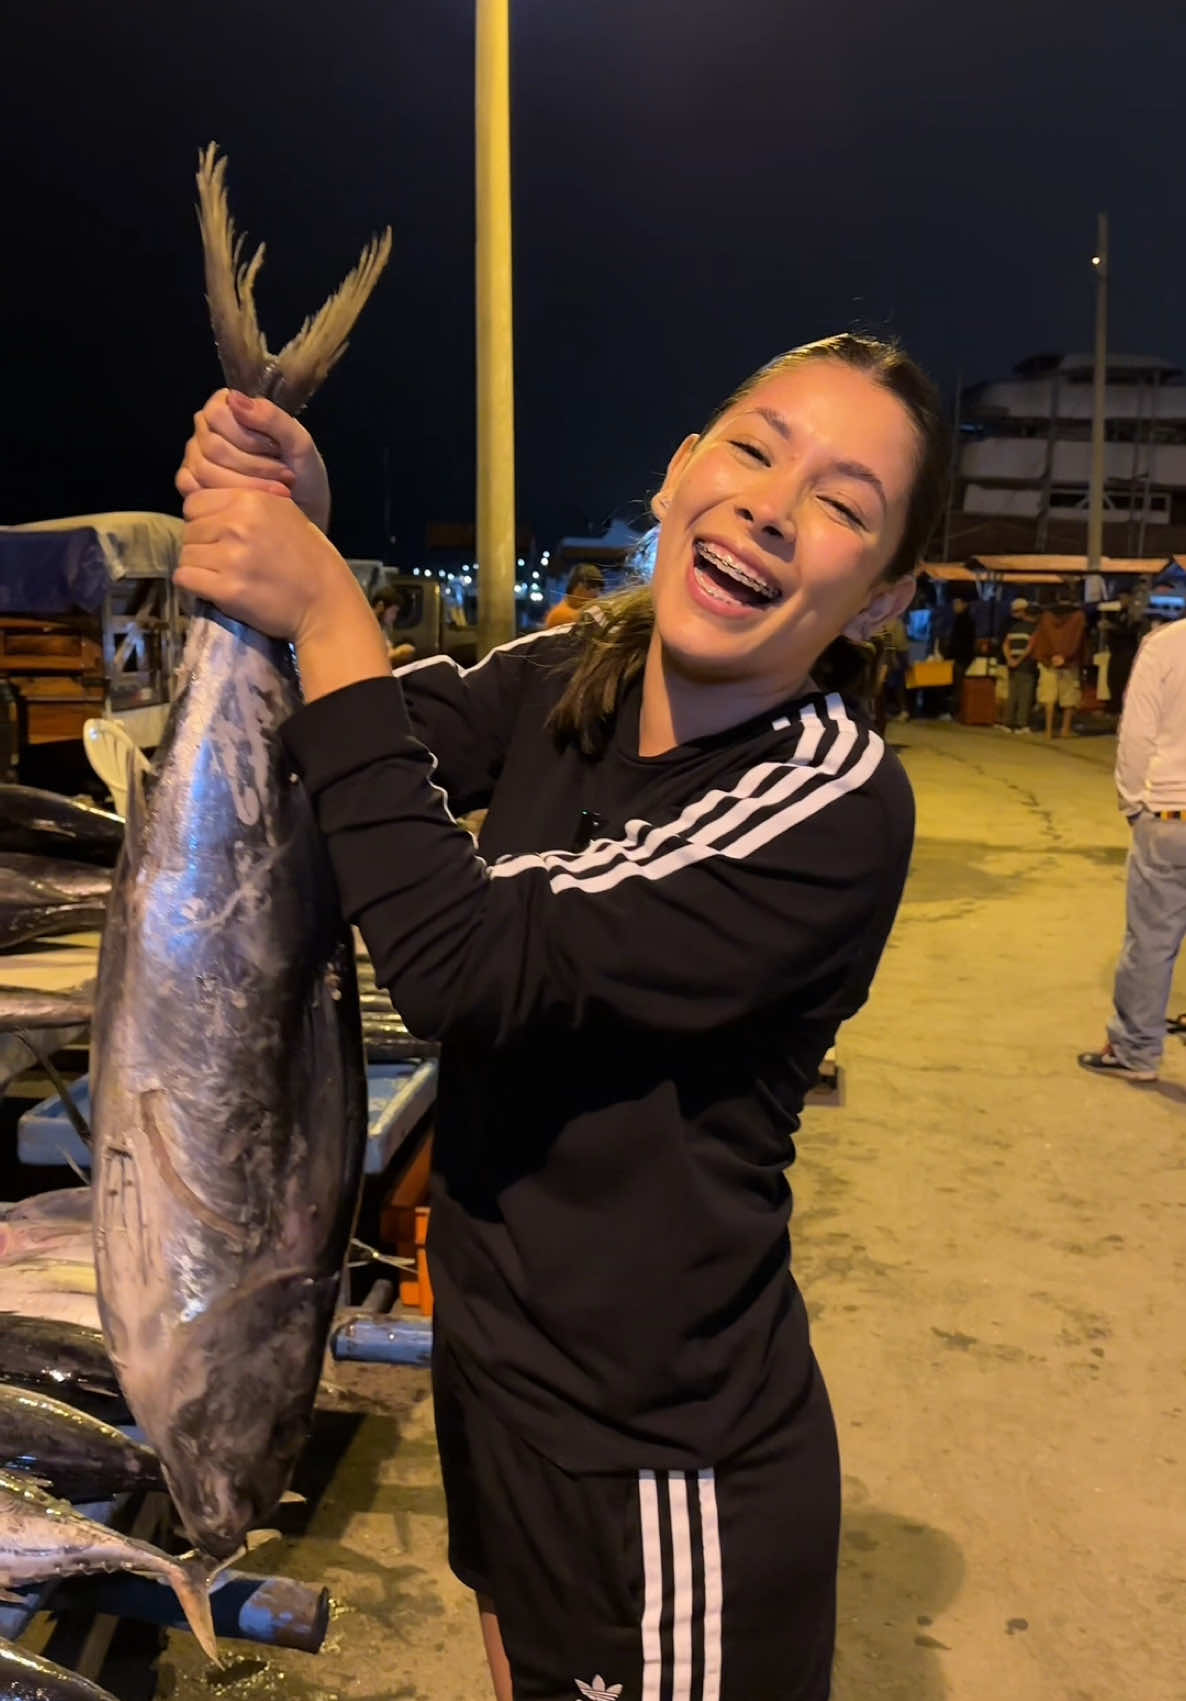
(42, 823)
(76, 1455)
(25, 1676)
(32, 908)
(229, 1098)
(27, 1007)
(42, 1537)
(66, 1360)
(71, 879)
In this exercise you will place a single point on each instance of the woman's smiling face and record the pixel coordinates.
(777, 525)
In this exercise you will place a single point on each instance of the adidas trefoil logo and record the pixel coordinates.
(599, 1690)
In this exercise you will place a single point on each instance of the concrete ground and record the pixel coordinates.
(991, 1243)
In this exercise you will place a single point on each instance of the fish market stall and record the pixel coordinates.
(89, 622)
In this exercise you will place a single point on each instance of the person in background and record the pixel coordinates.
(585, 585)
(959, 649)
(387, 606)
(1057, 646)
(1023, 671)
(894, 647)
(1151, 785)
(1122, 638)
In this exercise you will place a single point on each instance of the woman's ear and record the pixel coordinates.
(661, 500)
(889, 602)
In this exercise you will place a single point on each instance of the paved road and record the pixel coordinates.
(991, 1243)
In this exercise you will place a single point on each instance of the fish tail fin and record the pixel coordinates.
(230, 282)
(190, 1578)
(305, 360)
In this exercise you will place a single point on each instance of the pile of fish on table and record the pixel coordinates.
(228, 1094)
(56, 857)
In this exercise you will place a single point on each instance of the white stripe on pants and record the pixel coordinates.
(690, 1629)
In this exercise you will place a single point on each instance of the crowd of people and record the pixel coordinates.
(1052, 656)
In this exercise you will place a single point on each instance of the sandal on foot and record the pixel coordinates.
(1106, 1062)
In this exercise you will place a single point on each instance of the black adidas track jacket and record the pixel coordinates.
(634, 980)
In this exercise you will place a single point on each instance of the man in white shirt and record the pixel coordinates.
(1151, 782)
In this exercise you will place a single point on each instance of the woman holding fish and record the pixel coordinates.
(694, 852)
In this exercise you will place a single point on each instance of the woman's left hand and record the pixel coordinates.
(256, 557)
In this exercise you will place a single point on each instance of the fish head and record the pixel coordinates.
(240, 1393)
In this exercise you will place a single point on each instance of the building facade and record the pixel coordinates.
(1023, 466)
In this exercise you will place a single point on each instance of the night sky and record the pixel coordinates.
(699, 183)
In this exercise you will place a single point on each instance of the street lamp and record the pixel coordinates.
(1095, 511)
(495, 327)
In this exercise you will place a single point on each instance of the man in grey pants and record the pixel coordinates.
(1151, 782)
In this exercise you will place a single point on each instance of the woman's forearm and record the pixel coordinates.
(343, 646)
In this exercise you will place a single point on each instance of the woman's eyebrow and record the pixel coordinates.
(848, 469)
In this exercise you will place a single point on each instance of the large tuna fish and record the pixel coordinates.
(229, 1097)
(43, 824)
(63, 1359)
(34, 903)
(42, 1537)
(72, 1453)
(25, 1676)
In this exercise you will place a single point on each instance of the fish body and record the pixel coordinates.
(24, 1007)
(43, 824)
(33, 907)
(86, 880)
(228, 1096)
(26, 1676)
(43, 1537)
(65, 1360)
(76, 1455)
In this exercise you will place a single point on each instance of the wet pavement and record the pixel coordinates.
(993, 1247)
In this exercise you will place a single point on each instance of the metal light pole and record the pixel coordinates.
(495, 328)
(1095, 515)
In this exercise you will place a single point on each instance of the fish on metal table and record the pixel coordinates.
(42, 823)
(33, 905)
(43, 1537)
(66, 1360)
(74, 1454)
(25, 1676)
(228, 1089)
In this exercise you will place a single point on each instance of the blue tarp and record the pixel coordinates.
(52, 572)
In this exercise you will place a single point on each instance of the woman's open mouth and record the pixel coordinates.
(726, 585)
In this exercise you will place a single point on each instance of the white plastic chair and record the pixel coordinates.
(111, 751)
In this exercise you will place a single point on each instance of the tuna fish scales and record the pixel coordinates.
(228, 1088)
